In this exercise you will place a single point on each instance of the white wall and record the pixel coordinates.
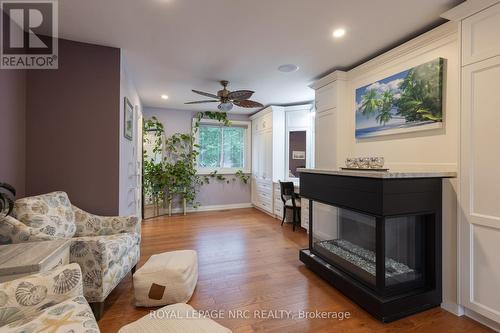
(129, 152)
(216, 194)
(417, 151)
(427, 150)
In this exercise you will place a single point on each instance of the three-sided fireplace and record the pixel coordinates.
(381, 243)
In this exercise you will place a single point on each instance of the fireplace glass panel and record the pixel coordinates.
(404, 249)
(346, 239)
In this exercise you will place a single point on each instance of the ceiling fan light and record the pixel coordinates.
(225, 107)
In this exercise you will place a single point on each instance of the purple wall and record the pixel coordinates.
(298, 142)
(13, 129)
(72, 127)
(215, 193)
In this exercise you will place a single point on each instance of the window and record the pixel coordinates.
(225, 149)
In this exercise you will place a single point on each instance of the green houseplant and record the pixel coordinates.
(153, 165)
(171, 170)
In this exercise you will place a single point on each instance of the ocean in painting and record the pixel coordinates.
(405, 102)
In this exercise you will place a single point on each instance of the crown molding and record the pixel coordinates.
(468, 8)
(332, 77)
(445, 33)
(264, 111)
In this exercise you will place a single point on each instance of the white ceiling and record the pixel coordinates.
(173, 46)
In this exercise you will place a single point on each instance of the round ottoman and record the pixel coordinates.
(166, 278)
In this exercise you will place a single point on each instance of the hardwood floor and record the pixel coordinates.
(248, 262)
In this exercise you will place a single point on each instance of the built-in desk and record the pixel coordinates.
(278, 206)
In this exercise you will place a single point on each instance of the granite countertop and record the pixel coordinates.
(382, 174)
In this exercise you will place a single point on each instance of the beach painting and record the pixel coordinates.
(408, 101)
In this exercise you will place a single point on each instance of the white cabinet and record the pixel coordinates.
(326, 97)
(278, 203)
(479, 209)
(328, 123)
(326, 154)
(481, 35)
(270, 155)
(299, 125)
(480, 184)
(267, 155)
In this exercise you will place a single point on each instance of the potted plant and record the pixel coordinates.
(7, 194)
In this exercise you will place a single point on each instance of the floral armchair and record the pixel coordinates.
(106, 248)
(51, 301)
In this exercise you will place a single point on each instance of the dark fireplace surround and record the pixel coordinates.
(378, 220)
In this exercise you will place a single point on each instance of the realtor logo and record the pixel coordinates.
(29, 35)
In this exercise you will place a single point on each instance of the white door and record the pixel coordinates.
(138, 157)
(480, 188)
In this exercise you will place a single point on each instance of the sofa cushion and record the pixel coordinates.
(289, 203)
(51, 214)
(72, 315)
(177, 318)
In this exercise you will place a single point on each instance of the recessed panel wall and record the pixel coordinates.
(484, 129)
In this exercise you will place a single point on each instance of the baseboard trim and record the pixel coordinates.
(264, 211)
(482, 319)
(454, 308)
(209, 208)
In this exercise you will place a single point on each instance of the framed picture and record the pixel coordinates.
(298, 155)
(128, 130)
(408, 101)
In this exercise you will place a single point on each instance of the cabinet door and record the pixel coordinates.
(255, 153)
(260, 156)
(267, 155)
(481, 35)
(326, 97)
(325, 146)
(480, 188)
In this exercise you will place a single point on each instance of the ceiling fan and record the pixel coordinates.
(228, 99)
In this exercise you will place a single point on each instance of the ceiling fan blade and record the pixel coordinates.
(205, 94)
(200, 102)
(248, 104)
(240, 95)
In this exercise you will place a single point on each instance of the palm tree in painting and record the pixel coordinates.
(370, 103)
(421, 93)
(386, 103)
(413, 96)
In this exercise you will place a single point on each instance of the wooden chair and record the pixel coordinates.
(288, 196)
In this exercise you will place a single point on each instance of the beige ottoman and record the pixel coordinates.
(177, 318)
(166, 278)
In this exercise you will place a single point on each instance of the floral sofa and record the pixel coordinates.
(106, 248)
(46, 302)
